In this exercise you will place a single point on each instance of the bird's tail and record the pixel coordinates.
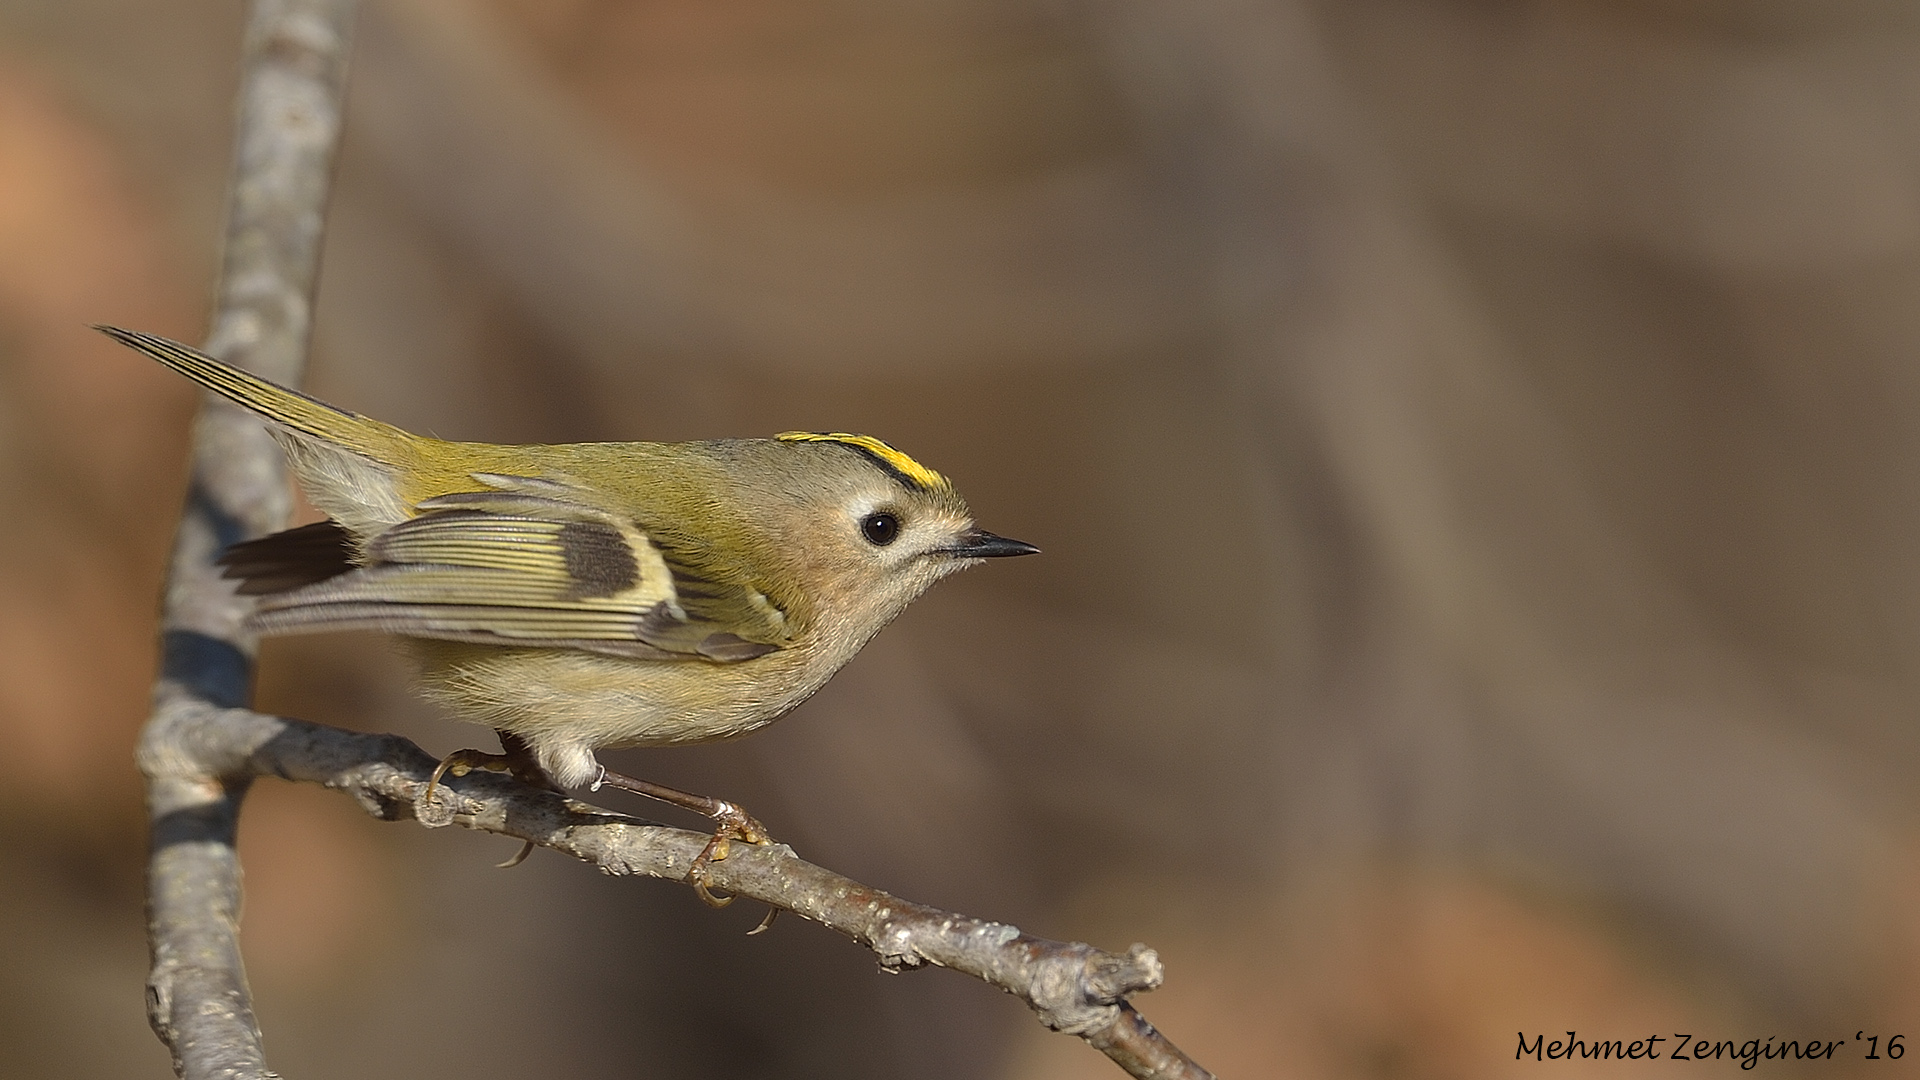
(289, 408)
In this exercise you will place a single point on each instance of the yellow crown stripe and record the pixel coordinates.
(902, 466)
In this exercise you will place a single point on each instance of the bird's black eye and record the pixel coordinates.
(881, 528)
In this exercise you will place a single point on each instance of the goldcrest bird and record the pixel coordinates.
(597, 595)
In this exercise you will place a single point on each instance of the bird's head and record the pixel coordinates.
(865, 529)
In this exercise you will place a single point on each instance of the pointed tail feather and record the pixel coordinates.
(289, 408)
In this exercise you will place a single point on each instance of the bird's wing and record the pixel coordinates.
(530, 563)
(287, 560)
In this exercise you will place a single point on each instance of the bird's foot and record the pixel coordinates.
(518, 759)
(731, 821)
(462, 762)
(734, 823)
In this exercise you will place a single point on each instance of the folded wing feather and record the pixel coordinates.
(520, 565)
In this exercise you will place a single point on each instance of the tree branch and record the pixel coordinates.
(1071, 987)
(201, 749)
(293, 78)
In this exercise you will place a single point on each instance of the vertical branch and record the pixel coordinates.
(293, 78)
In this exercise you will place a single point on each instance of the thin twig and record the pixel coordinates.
(1072, 988)
(201, 748)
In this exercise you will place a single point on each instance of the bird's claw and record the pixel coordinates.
(733, 824)
(462, 762)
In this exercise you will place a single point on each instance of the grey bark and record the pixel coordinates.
(293, 75)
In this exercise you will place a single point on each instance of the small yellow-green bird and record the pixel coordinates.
(593, 595)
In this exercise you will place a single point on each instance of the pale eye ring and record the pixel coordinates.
(881, 528)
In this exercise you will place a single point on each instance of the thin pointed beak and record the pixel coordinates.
(981, 544)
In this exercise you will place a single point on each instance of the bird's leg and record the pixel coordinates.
(523, 763)
(731, 821)
(516, 757)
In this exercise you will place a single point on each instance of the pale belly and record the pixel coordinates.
(568, 704)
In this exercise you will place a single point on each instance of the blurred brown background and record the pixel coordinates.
(1476, 445)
